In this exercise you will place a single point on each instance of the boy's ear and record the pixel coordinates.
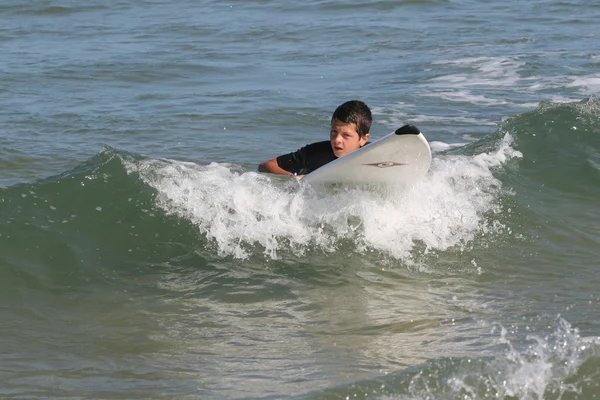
(365, 138)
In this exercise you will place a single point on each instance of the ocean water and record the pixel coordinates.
(143, 257)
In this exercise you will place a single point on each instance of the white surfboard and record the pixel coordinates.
(398, 158)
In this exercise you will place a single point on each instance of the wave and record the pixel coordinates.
(561, 144)
(244, 211)
(76, 229)
(473, 195)
(562, 364)
(240, 213)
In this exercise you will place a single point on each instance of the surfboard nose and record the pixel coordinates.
(408, 130)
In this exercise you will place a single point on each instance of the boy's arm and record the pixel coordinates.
(287, 164)
(273, 167)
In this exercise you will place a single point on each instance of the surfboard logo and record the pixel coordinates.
(386, 164)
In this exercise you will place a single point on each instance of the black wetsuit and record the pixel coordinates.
(308, 158)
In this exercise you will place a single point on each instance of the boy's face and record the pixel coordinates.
(344, 138)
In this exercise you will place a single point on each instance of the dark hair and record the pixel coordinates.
(354, 112)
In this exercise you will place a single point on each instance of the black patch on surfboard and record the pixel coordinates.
(407, 130)
(385, 164)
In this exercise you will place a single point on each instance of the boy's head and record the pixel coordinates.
(350, 125)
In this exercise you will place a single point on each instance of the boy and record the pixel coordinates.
(350, 125)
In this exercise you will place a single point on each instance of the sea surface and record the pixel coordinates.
(143, 257)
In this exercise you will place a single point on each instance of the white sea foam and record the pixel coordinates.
(400, 114)
(544, 365)
(437, 147)
(589, 85)
(466, 96)
(244, 212)
(452, 120)
(482, 72)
